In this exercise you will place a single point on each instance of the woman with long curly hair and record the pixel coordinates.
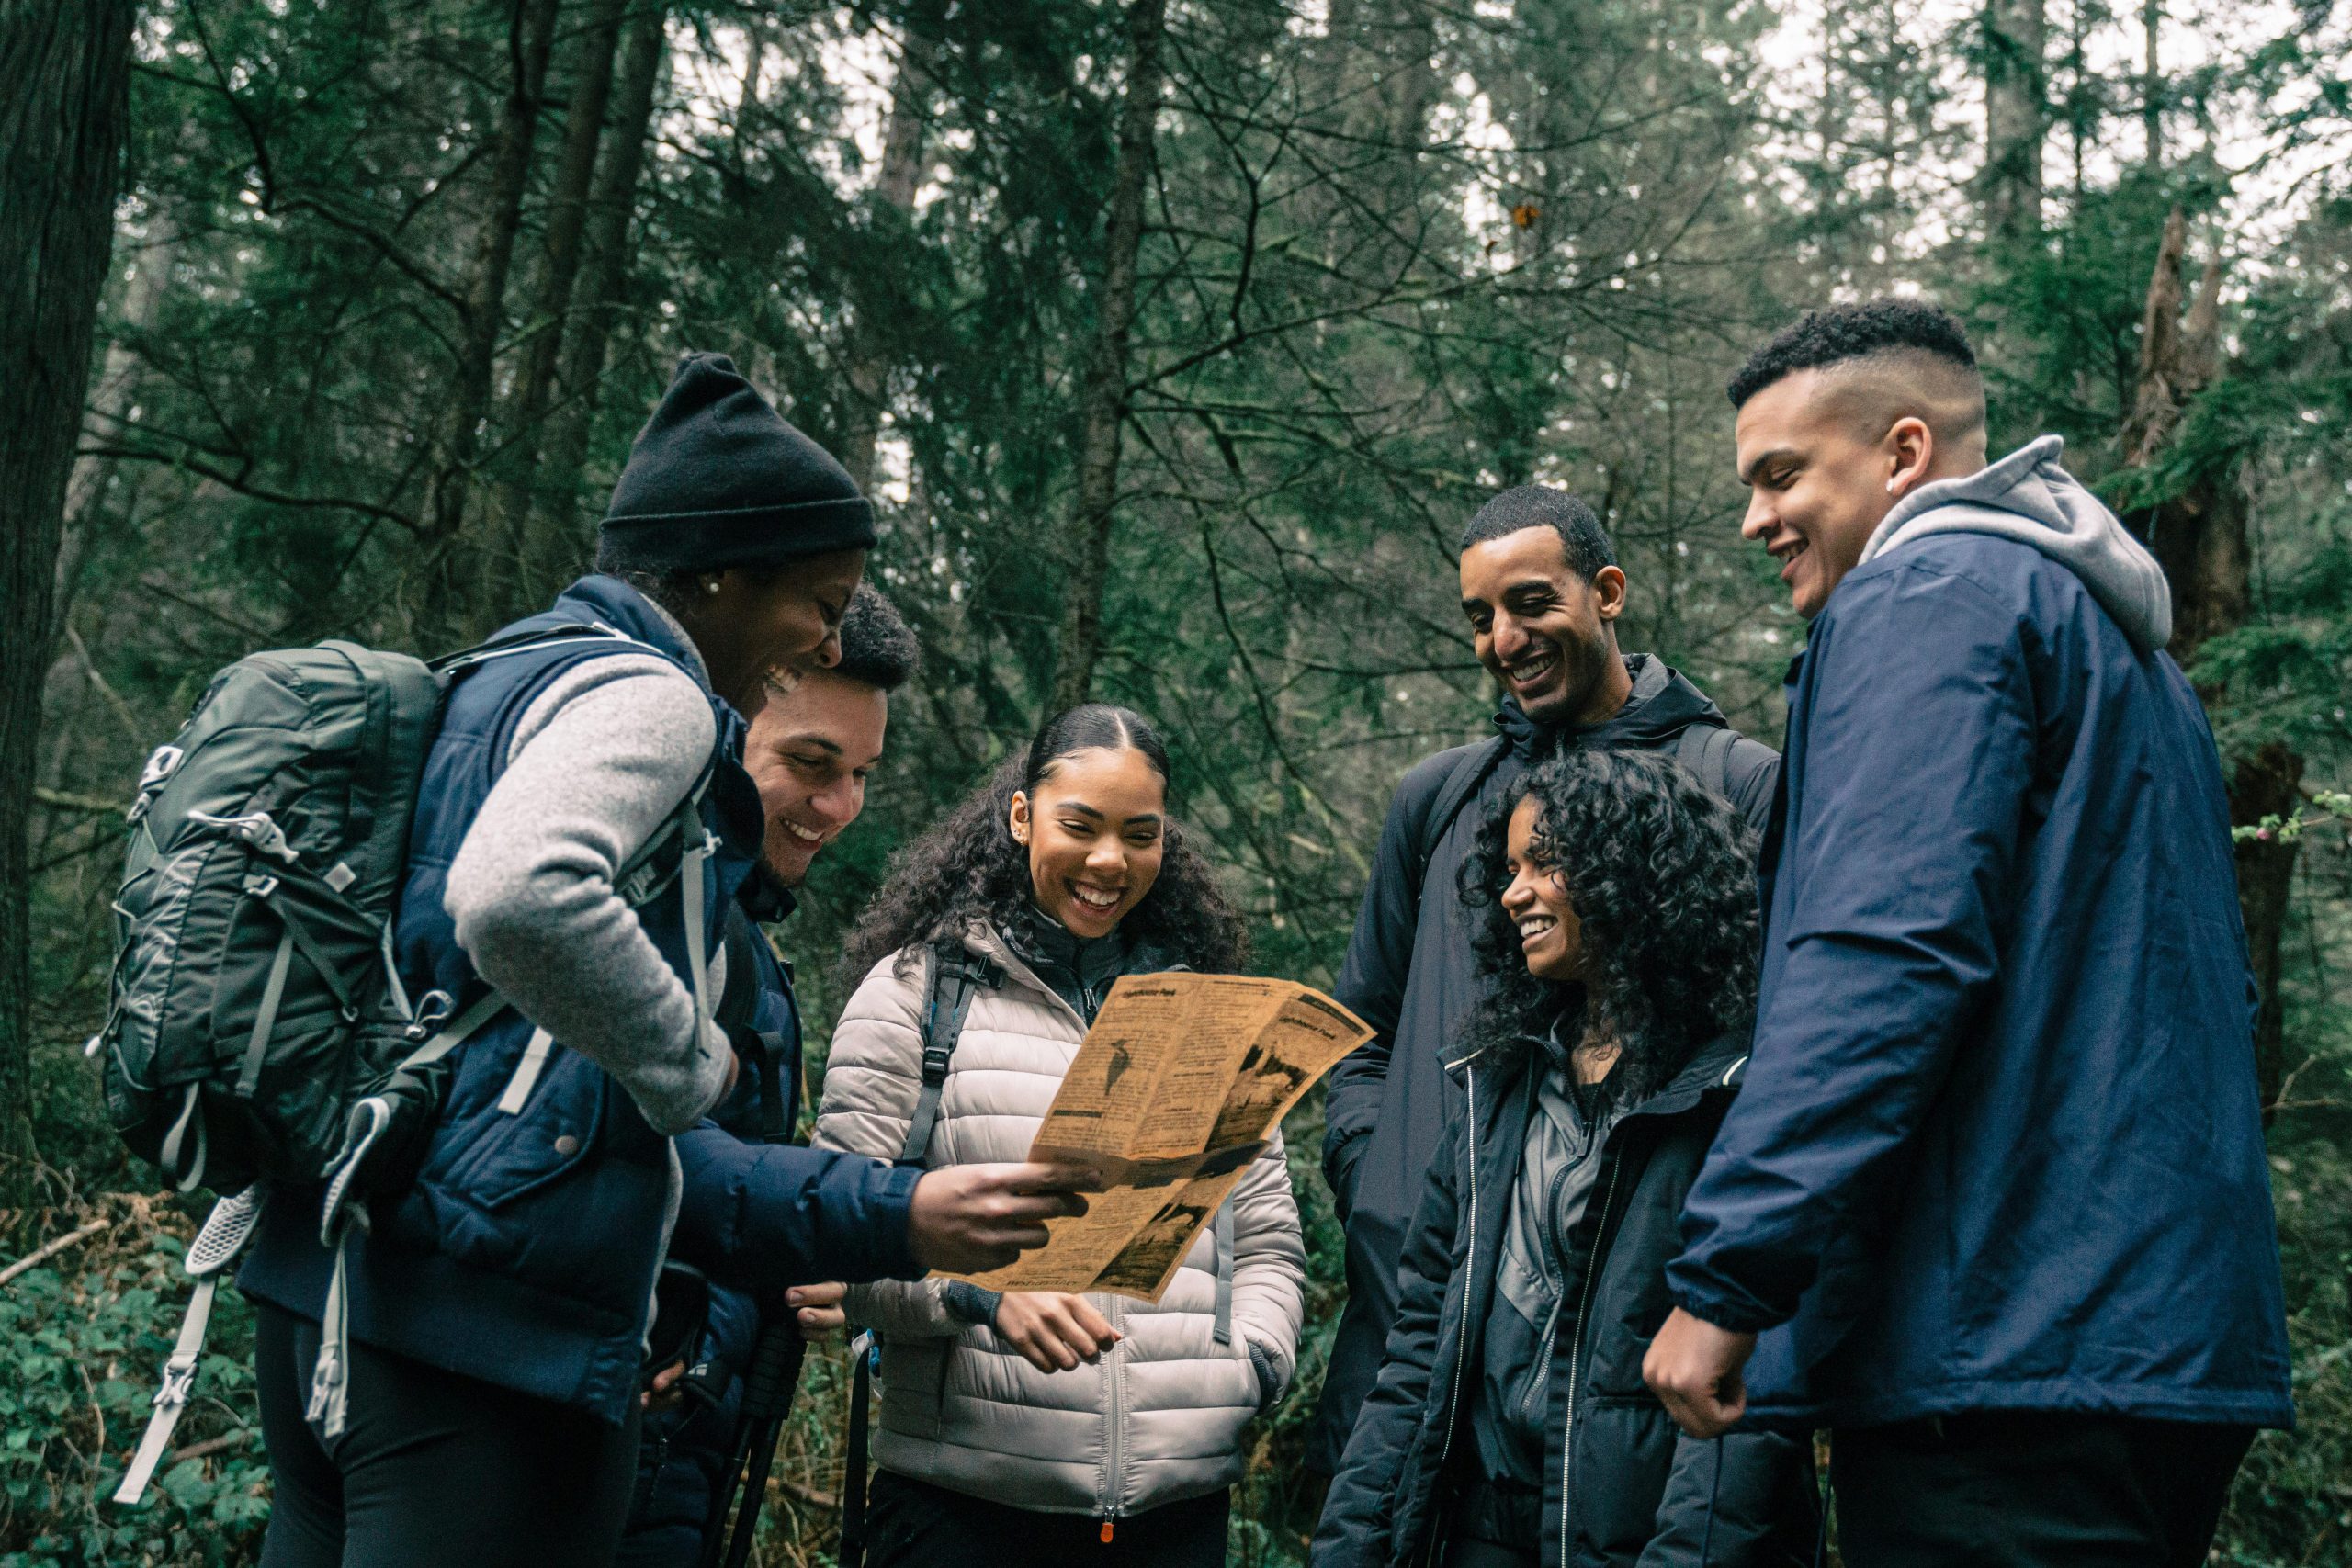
(1509, 1423)
(1034, 1426)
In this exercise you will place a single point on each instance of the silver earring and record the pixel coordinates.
(711, 585)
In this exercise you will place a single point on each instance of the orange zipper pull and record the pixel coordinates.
(1106, 1532)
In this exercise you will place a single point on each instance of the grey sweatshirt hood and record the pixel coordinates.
(2028, 497)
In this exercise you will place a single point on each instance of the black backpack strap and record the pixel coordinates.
(1704, 751)
(957, 974)
(1473, 771)
(851, 1553)
(448, 664)
(739, 1014)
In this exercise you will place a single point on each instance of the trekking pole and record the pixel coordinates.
(767, 1395)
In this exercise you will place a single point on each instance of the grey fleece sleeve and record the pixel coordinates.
(599, 761)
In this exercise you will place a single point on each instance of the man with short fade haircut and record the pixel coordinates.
(765, 1221)
(1542, 591)
(1998, 1162)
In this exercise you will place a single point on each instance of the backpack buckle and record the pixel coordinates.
(935, 1061)
(258, 831)
(433, 1010)
(161, 764)
(179, 1382)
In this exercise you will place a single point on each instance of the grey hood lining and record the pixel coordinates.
(2028, 497)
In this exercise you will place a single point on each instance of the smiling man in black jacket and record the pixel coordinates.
(1541, 593)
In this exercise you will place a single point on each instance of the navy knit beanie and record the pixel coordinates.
(718, 479)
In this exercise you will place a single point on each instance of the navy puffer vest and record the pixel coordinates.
(525, 1251)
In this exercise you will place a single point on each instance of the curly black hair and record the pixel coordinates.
(970, 864)
(878, 648)
(1854, 332)
(1660, 871)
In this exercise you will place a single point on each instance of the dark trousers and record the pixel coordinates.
(2032, 1490)
(913, 1524)
(434, 1468)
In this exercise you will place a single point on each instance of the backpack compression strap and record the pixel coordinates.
(226, 1231)
(331, 1375)
(863, 1355)
(1459, 786)
(957, 974)
(1704, 749)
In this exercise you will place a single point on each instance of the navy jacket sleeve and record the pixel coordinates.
(762, 1216)
(1371, 978)
(1912, 748)
(1357, 1511)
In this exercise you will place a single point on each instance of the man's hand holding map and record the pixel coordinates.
(1177, 1088)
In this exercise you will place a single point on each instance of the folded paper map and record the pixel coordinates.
(1177, 1088)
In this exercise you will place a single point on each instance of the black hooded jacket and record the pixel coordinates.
(1410, 974)
(1620, 1485)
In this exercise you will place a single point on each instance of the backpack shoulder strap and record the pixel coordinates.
(738, 1013)
(739, 1004)
(957, 974)
(1461, 783)
(1705, 750)
(448, 664)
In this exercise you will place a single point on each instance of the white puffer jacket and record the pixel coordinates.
(1159, 1418)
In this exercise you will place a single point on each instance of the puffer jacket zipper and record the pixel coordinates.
(1575, 1346)
(1114, 1448)
(1468, 1270)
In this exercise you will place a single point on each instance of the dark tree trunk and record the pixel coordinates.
(1103, 405)
(2017, 115)
(532, 559)
(556, 523)
(2268, 783)
(457, 577)
(64, 70)
(2199, 538)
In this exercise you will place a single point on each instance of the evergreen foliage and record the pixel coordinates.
(1392, 257)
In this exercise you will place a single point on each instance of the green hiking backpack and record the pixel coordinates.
(254, 997)
(257, 1033)
(269, 844)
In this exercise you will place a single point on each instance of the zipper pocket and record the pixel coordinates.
(1530, 1404)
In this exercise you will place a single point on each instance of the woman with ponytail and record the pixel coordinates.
(1036, 1426)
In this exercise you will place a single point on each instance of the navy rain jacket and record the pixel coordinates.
(1998, 1146)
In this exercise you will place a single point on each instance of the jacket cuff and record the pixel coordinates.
(1734, 1312)
(895, 1202)
(972, 1304)
(1270, 1376)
